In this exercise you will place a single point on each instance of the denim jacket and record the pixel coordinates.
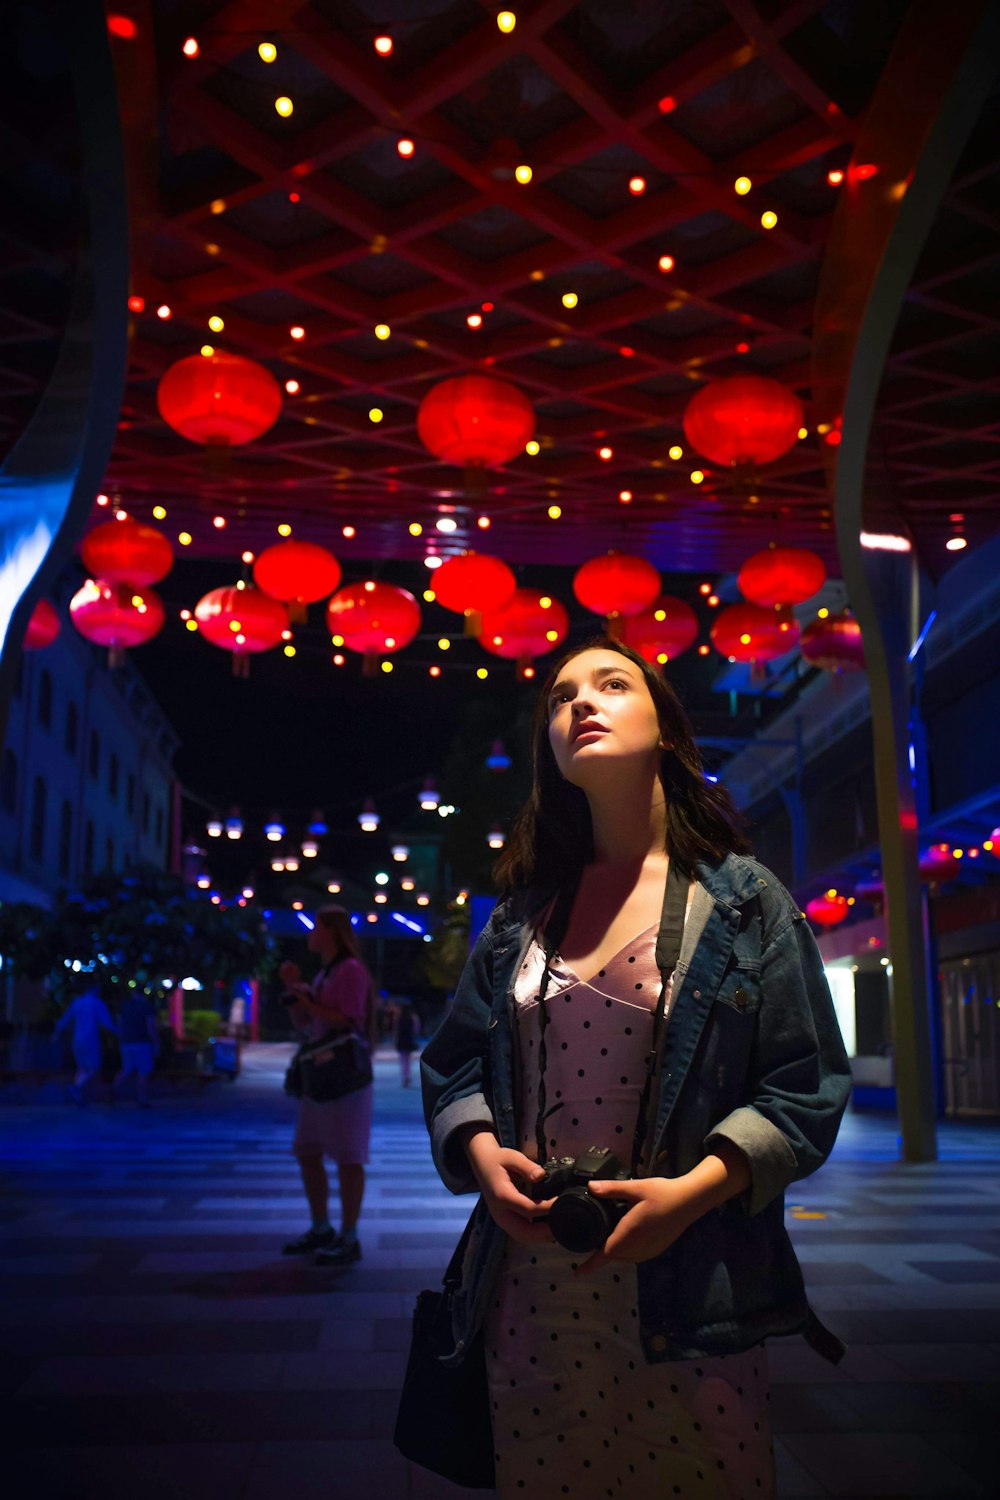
(751, 1053)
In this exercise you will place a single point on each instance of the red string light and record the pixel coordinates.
(666, 262)
(136, 304)
(835, 176)
(191, 47)
(122, 26)
(405, 146)
(636, 186)
(383, 46)
(667, 104)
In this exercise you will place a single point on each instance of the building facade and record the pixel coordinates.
(86, 779)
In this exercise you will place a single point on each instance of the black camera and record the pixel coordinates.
(578, 1220)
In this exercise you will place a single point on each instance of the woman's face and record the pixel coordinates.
(601, 714)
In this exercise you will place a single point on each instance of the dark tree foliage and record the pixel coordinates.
(145, 925)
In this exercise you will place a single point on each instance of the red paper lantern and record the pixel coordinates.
(220, 399)
(827, 910)
(374, 619)
(938, 864)
(473, 583)
(781, 575)
(43, 627)
(663, 631)
(748, 633)
(616, 584)
(475, 420)
(118, 615)
(297, 573)
(127, 552)
(744, 419)
(834, 644)
(241, 620)
(528, 625)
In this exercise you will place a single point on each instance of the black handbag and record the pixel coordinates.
(337, 1064)
(443, 1422)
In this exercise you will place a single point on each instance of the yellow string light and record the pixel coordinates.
(523, 174)
(742, 185)
(506, 21)
(267, 52)
(284, 529)
(284, 106)
(382, 330)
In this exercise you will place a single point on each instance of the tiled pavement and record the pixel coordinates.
(154, 1344)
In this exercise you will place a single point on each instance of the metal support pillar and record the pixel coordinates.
(932, 90)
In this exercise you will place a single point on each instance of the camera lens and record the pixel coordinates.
(578, 1221)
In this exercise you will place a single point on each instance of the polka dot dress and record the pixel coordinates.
(576, 1409)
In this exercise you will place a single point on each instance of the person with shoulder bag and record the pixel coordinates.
(331, 1075)
(641, 1056)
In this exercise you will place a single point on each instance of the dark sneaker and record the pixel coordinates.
(340, 1254)
(311, 1241)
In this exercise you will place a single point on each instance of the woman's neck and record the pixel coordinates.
(629, 822)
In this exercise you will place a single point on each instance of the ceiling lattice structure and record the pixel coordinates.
(316, 221)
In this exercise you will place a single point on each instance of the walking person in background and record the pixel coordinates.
(406, 1040)
(648, 1006)
(138, 1042)
(86, 1017)
(340, 998)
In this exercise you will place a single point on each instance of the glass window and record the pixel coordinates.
(8, 781)
(37, 840)
(95, 753)
(72, 727)
(66, 840)
(45, 699)
(88, 848)
(113, 775)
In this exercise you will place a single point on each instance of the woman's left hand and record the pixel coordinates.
(659, 1209)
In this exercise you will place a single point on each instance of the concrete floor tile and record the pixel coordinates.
(882, 1465)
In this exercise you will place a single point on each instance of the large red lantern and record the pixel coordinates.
(744, 419)
(746, 632)
(781, 575)
(43, 627)
(939, 863)
(241, 620)
(221, 400)
(473, 584)
(127, 552)
(834, 643)
(117, 615)
(663, 631)
(373, 618)
(528, 625)
(476, 421)
(616, 584)
(297, 573)
(827, 910)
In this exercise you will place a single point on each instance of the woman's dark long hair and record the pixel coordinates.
(552, 837)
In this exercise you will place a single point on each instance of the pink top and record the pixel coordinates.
(343, 988)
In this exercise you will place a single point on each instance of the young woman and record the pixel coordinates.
(641, 1361)
(339, 998)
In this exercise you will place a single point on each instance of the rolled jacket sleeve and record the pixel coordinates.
(453, 1069)
(800, 1077)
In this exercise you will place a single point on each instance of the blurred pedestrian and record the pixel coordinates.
(340, 998)
(406, 1040)
(138, 1042)
(86, 1017)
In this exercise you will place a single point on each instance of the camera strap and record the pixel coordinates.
(668, 949)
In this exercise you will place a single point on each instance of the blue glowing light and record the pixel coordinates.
(306, 921)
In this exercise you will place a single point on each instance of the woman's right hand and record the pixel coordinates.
(499, 1172)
